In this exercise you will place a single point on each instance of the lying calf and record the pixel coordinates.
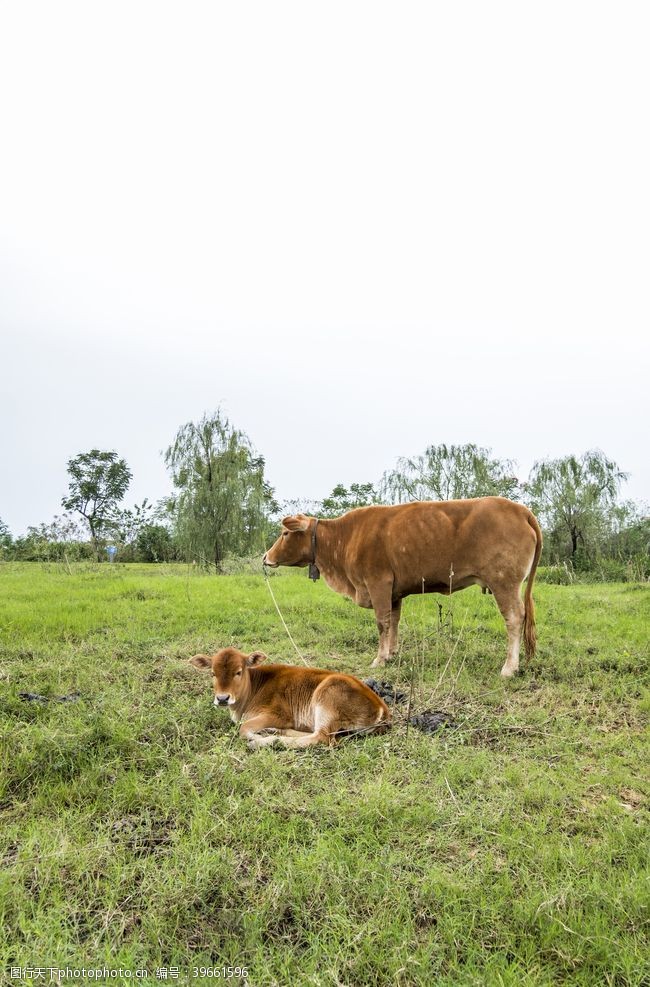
(301, 706)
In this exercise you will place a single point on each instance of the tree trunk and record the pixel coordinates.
(574, 544)
(94, 538)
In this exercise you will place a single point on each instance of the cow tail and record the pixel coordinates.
(530, 636)
(384, 720)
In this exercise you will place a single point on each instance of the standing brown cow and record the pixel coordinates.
(378, 555)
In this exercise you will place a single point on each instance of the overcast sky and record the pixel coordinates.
(360, 228)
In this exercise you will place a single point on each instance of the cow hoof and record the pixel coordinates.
(378, 662)
(508, 673)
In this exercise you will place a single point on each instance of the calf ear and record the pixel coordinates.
(296, 522)
(256, 658)
(200, 661)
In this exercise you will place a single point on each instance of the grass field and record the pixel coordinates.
(137, 831)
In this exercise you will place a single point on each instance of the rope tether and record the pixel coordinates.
(284, 623)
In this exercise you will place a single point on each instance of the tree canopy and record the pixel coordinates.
(344, 499)
(127, 523)
(5, 537)
(223, 502)
(449, 473)
(98, 482)
(574, 497)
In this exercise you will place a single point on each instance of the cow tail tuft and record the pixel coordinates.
(530, 635)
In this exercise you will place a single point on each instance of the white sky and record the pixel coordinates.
(361, 228)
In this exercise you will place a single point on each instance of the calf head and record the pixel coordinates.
(294, 546)
(230, 673)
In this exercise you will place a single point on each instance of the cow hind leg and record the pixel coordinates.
(334, 713)
(386, 624)
(512, 610)
(393, 641)
(319, 735)
(305, 739)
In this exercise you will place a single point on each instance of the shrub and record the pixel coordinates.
(155, 544)
(36, 549)
(632, 570)
(561, 574)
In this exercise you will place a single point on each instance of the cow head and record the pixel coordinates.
(294, 546)
(230, 673)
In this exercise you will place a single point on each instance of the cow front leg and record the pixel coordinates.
(252, 730)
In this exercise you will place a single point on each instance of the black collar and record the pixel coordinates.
(313, 568)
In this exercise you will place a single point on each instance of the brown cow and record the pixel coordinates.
(378, 555)
(297, 706)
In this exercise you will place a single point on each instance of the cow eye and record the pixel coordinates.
(285, 534)
(237, 674)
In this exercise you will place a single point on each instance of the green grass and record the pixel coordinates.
(136, 830)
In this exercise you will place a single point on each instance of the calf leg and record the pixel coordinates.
(322, 732)
(512, 610)
(251, 730)
(340, 707)
(290, 738)
(307, 739)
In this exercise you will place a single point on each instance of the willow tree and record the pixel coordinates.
(343, 499)
(449, 473)
(5, 538)
(223, 502)
(575, 497)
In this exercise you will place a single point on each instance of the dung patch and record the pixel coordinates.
(386, 691)
(431, 720)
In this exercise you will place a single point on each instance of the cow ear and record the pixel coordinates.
(296, 522)
(200, 661)
(256, 658)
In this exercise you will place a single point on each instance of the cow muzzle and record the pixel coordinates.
(222, 700)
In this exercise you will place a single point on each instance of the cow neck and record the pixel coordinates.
(251, 689)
